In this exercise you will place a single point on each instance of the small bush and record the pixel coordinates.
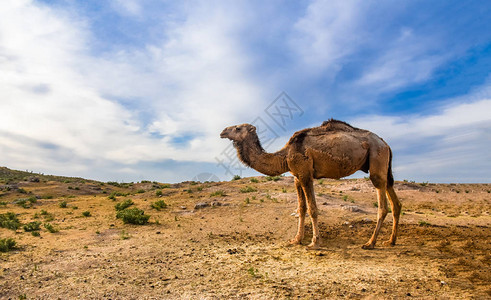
(9, 220)
(22, 191)
(423, 223)
(26, 202)
(86, 213)
(63, 204)
(32, 226)
(248, 189)
(254, 180)
(158, 193)
(158, 205)
(123, 205)
(51, 228)
(124, 235)
(133, 216)
(35, 233)
(218, 194)
(236, 177)
(273, 178)
(140, 191)
(7, 244)
(283, 190)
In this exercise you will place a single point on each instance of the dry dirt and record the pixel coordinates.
(239, 249)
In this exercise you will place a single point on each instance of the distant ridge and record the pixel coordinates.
(7, 175)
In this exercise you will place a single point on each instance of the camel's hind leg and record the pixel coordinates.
(379, 169)
(396, 212)
(302, 207)
(382, 212)
(308, 189)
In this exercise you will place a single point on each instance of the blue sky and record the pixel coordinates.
(131, 90)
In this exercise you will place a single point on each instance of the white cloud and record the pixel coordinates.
(56, 95)
(326, 34)
(450, 145)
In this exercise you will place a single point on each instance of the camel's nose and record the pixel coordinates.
(224, 133)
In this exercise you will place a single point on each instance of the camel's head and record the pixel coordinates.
(238, 133)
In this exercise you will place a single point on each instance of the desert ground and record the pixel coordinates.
(229, 240)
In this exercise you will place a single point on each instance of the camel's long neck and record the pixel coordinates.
(252, 154)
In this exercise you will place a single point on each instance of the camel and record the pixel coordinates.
(333, 150)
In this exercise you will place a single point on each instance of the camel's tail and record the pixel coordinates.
(390, 177)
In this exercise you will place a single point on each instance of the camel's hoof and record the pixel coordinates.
(295, 242)
(368, 246)
(389, 243)
(313, 247)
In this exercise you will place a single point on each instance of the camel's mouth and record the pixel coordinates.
(224, 135)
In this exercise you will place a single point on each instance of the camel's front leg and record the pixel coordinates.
(308, 189)
(301, 213)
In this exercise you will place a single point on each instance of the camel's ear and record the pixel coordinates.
(252, 128)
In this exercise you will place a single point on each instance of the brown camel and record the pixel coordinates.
(333, 150)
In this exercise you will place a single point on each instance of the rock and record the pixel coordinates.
(201, 205)
(216, 203)
(352, 208)
(183, 207)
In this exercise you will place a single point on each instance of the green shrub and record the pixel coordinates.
(158, 193)
(133, 216)
(217, 194)
(32, 226)
(140, 191)
(254, 180)
(7, 244)
(26, 202)
(51, 228)
(123, 205)
(9, 220)
(86, 213)
(63, 204)
(35, 233)
(236, 177)
(273, 178)
(158, 205)
(248, 189)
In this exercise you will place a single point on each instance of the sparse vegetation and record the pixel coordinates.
(158, 193)
(51, 228)
(219, 193)
(236, 177)
(9, 220)
(133, 216)
(26, 202)
(248, 189)
(124, 205)
(7, 244)
(158, 205)
(273, 178)
(140, 191)
(32, 226)
(86, 214)
(423, 223)
(63, 204)
(254, 180)
(124, 235)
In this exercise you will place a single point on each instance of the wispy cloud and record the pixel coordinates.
(448, 145)
(54, 91)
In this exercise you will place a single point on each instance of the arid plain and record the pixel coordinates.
(229, 240)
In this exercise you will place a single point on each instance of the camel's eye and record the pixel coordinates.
(237, 128)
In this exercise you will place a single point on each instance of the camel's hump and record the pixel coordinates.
(333, 125)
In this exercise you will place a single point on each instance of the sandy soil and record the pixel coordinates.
(238, 248)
